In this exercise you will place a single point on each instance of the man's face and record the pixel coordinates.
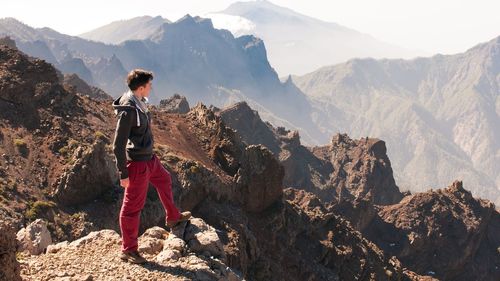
(144, 90)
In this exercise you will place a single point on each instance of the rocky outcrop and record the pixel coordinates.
(248, 124)
(446, 233)
(346, 169)
(9, 267)
(298, 239)
(203, 239)
(259, 178)
(174, 104)
(73, 83)
(170, 257)
(361, 170)
(35, 238)
(92, 173)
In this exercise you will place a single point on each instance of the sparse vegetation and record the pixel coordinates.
(21, 146)
(67, 150)
(100, 135)
(35, 209)
(20, 143)
(194, 169)
(7, 186)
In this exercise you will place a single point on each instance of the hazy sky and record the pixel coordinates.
(444, 26)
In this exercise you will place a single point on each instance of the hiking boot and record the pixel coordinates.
(133, 257)
(184, 217)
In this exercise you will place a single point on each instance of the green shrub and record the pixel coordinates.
(100, 135)
(20, 143)
(35, 209)
(194, 169)
(22, 146)
(68, 148)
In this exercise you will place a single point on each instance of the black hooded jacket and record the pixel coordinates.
(133, 136)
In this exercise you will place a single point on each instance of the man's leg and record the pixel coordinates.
(133, 202)
(161, 180)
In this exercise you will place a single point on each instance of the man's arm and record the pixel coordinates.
(122, 133)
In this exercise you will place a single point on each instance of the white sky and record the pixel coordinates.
(434, 26)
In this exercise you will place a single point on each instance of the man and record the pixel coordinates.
(137, 164)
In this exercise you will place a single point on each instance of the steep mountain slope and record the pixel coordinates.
(438, 115)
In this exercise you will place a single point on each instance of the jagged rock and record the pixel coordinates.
(344, 170)
(319, 245)
(34, 238)
(249, 126)
(73, 83)
(361, 170)
(445, 231)
(9, 267)
(175, 104)
(92, 173)
(259, 178)
(224, 146)
(202, 238)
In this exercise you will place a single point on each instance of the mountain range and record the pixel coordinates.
(438, 115)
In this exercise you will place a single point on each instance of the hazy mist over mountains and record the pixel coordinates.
(439, 115)
(298, 44)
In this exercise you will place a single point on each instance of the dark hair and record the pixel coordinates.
(138, 77)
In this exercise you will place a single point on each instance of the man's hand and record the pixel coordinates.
(124, 182)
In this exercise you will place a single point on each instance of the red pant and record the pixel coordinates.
(140, 174)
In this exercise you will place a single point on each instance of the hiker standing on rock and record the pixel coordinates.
(137, 164)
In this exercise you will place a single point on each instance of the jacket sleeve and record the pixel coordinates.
(122, 133)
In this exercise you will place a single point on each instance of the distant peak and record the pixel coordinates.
(190, 20)
(11, 20)
(185, 18)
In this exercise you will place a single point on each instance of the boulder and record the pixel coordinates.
(202, 238)
(34, 238)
